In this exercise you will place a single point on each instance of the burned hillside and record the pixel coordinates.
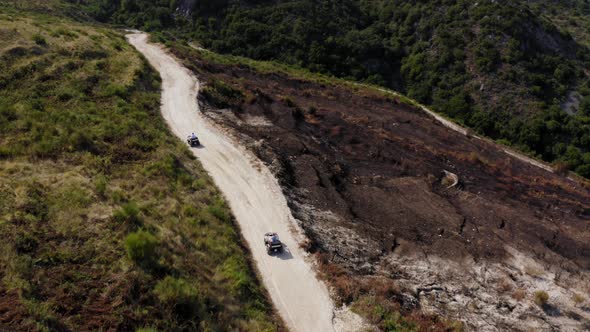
(372, 181)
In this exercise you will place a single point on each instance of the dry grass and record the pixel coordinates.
(505, 285)
(534, 271)
(346, 289)
(519, 294)
(578, 299)
(374, 298)
(561, 168)
(541, 297)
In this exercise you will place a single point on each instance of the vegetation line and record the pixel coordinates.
(467, 132)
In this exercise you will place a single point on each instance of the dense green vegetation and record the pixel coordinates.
(572, 16)
(108, 221)
(508, 69)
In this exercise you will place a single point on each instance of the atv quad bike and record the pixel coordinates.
(272, 243)
(193, 141)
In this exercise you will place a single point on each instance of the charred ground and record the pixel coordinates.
(364, 173)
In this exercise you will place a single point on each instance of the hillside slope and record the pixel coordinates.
(371, 180)
(108, 222)
(503, 68)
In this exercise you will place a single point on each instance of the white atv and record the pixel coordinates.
(193, 140)
(272, 243)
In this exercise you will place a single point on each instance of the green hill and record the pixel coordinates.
(107, 221)
(512, 70)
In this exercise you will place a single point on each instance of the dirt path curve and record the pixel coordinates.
(254, 197)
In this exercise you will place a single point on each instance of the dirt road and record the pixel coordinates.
(254, 196)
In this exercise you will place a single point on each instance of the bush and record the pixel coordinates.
(180, 294)
(289, 102)
(141, 247)
(36, 203)
(39, 40)
(222, 95)
(26, 243)
(100, 186)
(129, 212)
(584, 171)
(169, 166)
(80, 141)
(113, 89)
(541, 298)
(219, 212)
(578, 299)
(235, 269)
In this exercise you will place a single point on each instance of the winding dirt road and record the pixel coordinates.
(254, 197)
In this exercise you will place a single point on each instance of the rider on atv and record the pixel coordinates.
(193, 140)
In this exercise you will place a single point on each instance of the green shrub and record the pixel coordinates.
(141, 247)
(39, 40)
(25, 243)
(222, 95)
(289, 102)
(42, 313)
(76, 196)
(242, 284)
(100, 186)
(182, 295)
(113, 89)
(36, 203)
(584, 171)
(118, 196)
(64, 96)
(7, 112)
(190, 211)
(199, 184)
(129, 213)
(66, 33)
(168, 166)
(81, 141)
(220, 212)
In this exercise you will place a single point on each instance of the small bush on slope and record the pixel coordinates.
(541, 298)
(221, 94)
(141, 247)
(180, 294)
